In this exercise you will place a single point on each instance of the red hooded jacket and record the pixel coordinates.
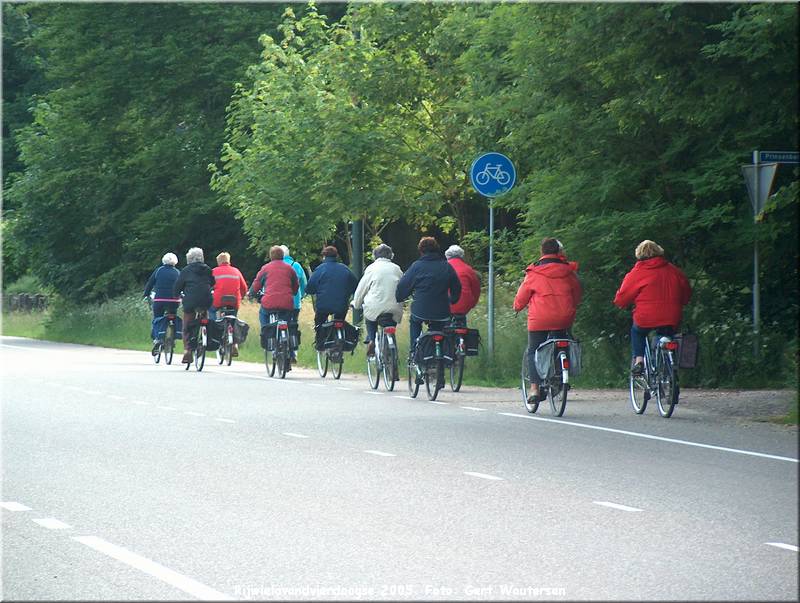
(280, 283)
(228, 281)
(470, 286)
(552, 292)
(659, 291)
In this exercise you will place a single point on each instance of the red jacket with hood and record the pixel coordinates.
(228, 281)
(470, 286)
(659, 291)
(280, 283)
(552, 292)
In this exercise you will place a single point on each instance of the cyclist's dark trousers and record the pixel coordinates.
(639, 337)
(321, 317)
(415, 328)
(535, 339)
(188, 316)
(159, 308)
(372, 328)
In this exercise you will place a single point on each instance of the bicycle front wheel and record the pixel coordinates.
(389, 367)
(373, 371)
(667, 391)
(640, 393)
(322, 363)
(457, 372)
(532, 406)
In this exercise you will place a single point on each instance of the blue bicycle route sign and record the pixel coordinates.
(492, 174)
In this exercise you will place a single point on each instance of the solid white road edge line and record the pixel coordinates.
(294, 435)
(483, 475)
(14, 506)
(403, 397)
(782, 545)
(653, 437)
(379, 453)
(611, 505)
(51, 523)
(173, 578)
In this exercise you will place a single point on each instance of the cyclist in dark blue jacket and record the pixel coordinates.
(162, 281)
(434, 284)
(334, 284)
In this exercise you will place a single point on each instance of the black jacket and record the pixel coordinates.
(195, 281)
(435, 286)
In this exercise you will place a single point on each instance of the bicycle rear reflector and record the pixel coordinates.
(282, 326)
(462, 331)
(390, 330)
(338, 325)
(671, 345)
(438, 337)
(565, 363)
(562, 344)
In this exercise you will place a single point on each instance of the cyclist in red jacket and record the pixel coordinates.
(229, 281)
(470, 284)
(552, 292)
(658, 291)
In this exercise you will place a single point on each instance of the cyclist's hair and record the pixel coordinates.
(285, 250)
(383, 251)
(329, 251)
(648, 249)
(194, 255)
(550, 246)
(169, 259)
(454, 251)
(275, 252)
(223, 258)
(428, 245)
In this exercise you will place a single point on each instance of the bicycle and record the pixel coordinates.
(199, 348)
(457, 330)
(555, 384)
(659, 378)
(278, 350)
(385, 359)
(333, 353)
(493, 172)
(433, 364)
(228, 316)
(166, 344)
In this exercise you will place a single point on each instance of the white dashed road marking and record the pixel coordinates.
(379, 453)
(374, 393)
(472, 408)
(14, 506)
(224, 420)
(651, 437)
(483, 476)
(436, 402)
(403, 397)
(782, 545)
(166, 408)
(51, 523)
(195, 414)
(184, 583)
(611, 505)
(294, 435)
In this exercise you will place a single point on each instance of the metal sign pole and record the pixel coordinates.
(490, 339)
(756, 291)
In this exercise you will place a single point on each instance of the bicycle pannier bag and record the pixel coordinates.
(426, 348)
(575, 360)
(472, 342)
(268, 337)
(544, 359)
(350, 337)
(688, 350)
(294, 335)
(240, 330)
(324, 336)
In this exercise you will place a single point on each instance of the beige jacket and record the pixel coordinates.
(376, 290)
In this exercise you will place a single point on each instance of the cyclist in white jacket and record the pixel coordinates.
(376, 292)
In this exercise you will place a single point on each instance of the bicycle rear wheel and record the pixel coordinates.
(434, 379)
(531, 407)
(389, 367)
(413, 386)
(169, 344)
(557, 393)
(229, 346)
(199, 357)
(283, 361)
(221, 353)
(269, 360)
(337, 362)
(667, 390)
(322, 363)
(456, 372)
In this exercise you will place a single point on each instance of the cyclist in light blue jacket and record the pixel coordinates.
(301, 291)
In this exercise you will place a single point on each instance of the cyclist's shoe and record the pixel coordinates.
(156, 347)
(187, 357)
(371, 348)
(534, 396)
(637, 369)
(234, 351)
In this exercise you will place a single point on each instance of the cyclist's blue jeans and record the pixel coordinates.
(263, 315)
(372, 328)
(159, 308)
(212, 313)
(415, 328)
(639, 337)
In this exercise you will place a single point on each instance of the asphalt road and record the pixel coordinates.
(128, 481)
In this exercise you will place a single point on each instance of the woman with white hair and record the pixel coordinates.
(659, 291)
(376, 292)
(195, 283)
(162, 283)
